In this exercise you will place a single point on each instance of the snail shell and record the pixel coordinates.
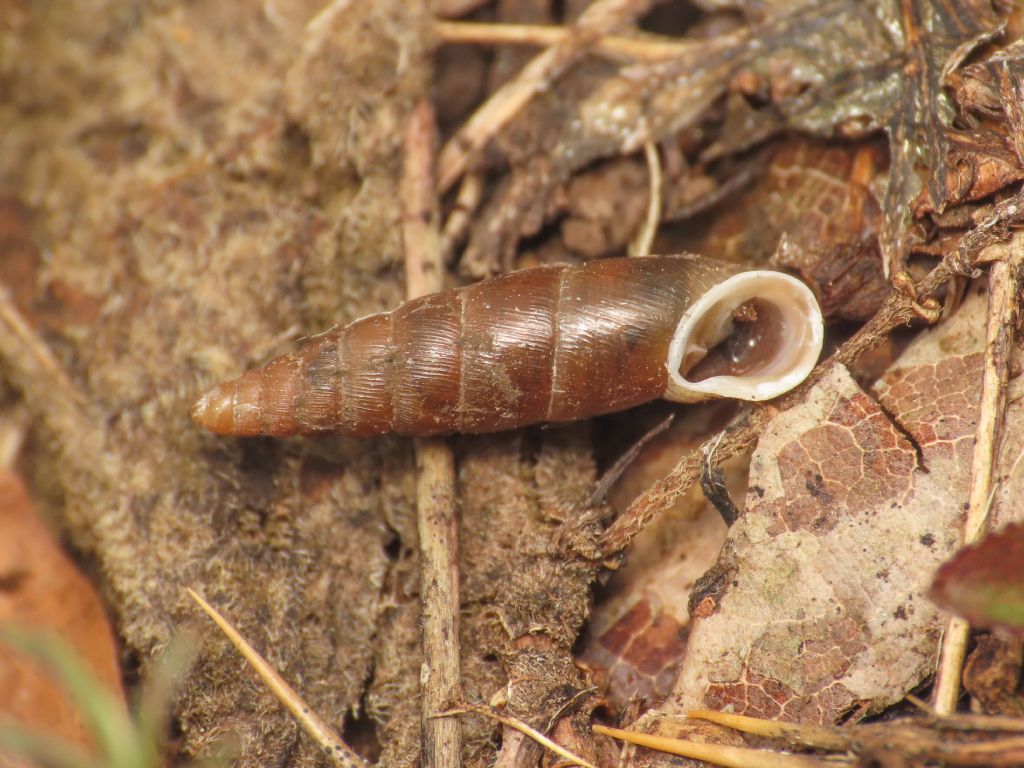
(551, 344)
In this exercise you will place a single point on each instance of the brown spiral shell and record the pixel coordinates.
(551, 344)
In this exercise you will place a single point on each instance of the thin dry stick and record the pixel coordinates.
(641, 246)
(967, 722)
(647, 48)
(805, 735)
(900, 307)
(471, 191)
(50, 397)
(327, 739)
(1004, 283)
(435, 486)
(535, 77)
(24, 344)
(524, 728)
(454, 8)
(720, 754)
(12, 437)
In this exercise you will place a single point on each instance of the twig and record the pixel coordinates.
(435, 485)
(804, 734)
(337, 751)
(739, 435)
(524, 728)
(641, 245)
(457, 224)
(615, 471)
(536, 77)
(1004, 282)
(900, 307)
(647, 48)
(12, 437)
(21, 347)
(967, 722)
(49, 395)
(718, 754)
(455, 8)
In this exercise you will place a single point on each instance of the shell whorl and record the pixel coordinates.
(547, 344)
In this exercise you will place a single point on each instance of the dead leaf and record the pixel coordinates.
(812, 211)
(821, 607)
(817, 604)
(932, 393)
(41, 589)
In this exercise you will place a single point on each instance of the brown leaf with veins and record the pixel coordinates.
(817, 604)
(980, 163)
(812, 211)
(821, 610)
(932, 394)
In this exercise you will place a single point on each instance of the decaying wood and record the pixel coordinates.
(166, 267)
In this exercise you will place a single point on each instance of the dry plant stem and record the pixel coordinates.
(966, 722)
(535, 77)
(814, 736)
(719, 754)
(630, 48)
(435, 465)
(641, 246)
(1000, 752)
(336, 750)
(737, 436)
(615, 471)
(1004, 283)
(22, 347)
(439, 680)
(471, 191)
(900, 308)
(455, 8)
(526, 729)
(49, 395)
(12, 437)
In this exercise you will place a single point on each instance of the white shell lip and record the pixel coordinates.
(803, 333)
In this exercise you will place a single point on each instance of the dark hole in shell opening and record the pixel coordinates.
(753, 343)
